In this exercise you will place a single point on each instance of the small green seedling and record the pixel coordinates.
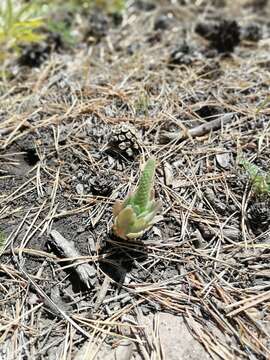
(18, 25)
(260, 179)
(134, 215)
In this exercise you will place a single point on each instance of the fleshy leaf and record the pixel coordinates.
(134, 215)
(260, 179)
(139, 225)
(124, 222)
(135, 235)
(143, 193)
(117, 207)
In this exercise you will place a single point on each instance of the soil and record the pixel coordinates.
(77, 123)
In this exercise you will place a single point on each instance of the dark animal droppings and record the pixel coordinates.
(34, 55)
(31, 157)
(223, 35)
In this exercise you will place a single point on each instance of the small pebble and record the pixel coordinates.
(80, 229)
(79, 189)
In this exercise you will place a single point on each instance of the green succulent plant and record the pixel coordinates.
(18, 25)
(260, 179)
(134, 215)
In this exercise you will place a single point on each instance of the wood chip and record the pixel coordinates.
(200, 130)
(168, 174)
(86, 272)
(223, 160)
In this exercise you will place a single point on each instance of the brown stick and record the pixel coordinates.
(199, 130)
(86, 272)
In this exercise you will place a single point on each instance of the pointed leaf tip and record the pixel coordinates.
(143, 193)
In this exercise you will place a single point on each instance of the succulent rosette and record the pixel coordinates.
(134, 215)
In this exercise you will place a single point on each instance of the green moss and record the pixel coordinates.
(260, 179)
